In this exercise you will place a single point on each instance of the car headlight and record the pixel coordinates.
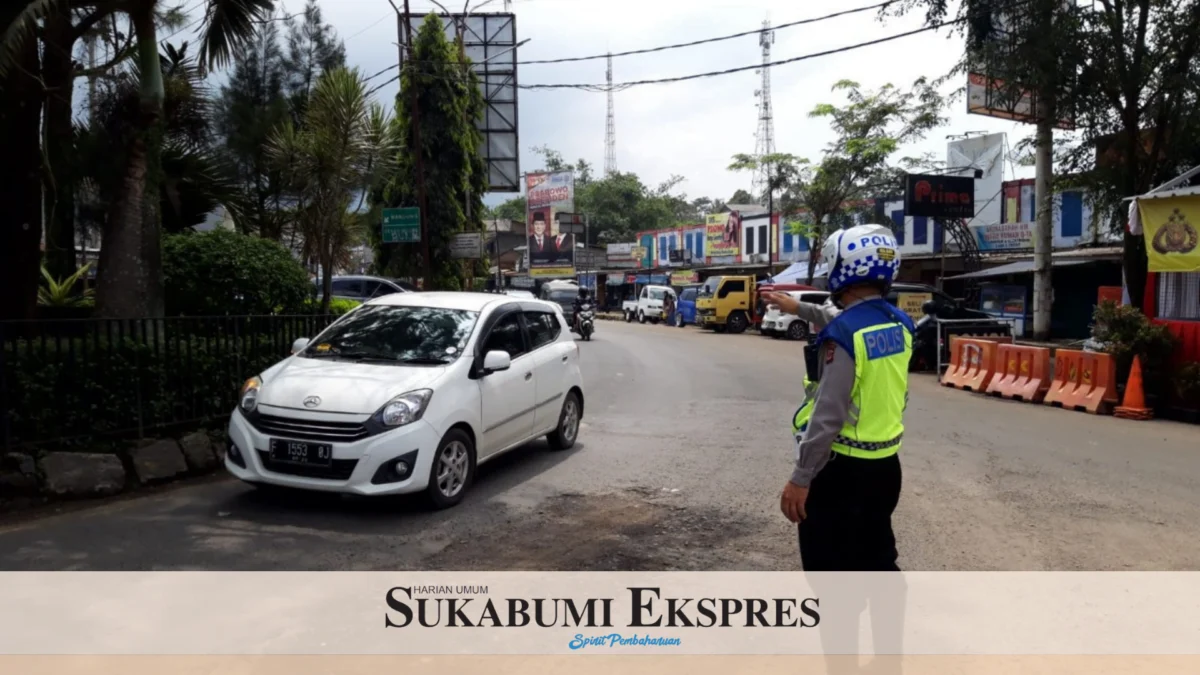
(248, 398)
(405, 408)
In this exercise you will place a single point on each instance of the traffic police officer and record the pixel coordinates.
(846, 482)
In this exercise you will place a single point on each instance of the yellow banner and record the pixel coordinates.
(1172, 227)
(913, 304)
(552, 272)
(723, 234)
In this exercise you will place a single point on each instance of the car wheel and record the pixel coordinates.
(563, 437)
(641, 317)
(797, 331)
(628, 317)
(737, 323)
(453, 469)
(678, 320)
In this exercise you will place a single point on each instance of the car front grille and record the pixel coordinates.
(310, 430)
(340, 470)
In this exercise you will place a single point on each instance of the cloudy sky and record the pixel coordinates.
(688, 128)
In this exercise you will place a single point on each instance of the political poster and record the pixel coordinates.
(723, 234)
(551, 253)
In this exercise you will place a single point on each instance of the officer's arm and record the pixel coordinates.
(831, 407)
(818, 315)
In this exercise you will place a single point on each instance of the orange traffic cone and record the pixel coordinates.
(1133, 407)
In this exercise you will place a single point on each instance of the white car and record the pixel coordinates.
(777, 324)
(650, 303)
(410, 393)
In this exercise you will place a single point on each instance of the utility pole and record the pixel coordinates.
(427, 274)
(610, 128)
(1043, 242)
(771, 236)
(764, 136)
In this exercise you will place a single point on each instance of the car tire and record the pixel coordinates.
(797, 331)
(641, 317)
(455, 457)
(628, 316)
(679, 320)
(564, 435)
(737, 323)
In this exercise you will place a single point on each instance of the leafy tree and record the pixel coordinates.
(21, 96)
(252, 104)
(869, 129)
(313, 49)
(336, 154)
(512, 209)
(448, 105)
(1124, 71)
(742, 197)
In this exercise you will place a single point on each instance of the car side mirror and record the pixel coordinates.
(495, 361)
(299, 345)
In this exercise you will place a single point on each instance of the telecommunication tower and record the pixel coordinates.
(610, 128)
(764, 137)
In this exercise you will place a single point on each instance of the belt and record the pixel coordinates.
(870, 447)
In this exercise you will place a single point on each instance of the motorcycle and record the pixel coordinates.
(585, 321)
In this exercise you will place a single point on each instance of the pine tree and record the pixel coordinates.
(313, 48)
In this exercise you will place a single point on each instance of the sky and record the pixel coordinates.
(693, 128)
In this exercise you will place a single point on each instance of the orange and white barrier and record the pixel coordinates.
(972, 363)
(1085, 381)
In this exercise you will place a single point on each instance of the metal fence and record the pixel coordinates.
(75, 383)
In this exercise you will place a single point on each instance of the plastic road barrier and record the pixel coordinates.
(1085, 381)
(972, 364)
(1022, 373)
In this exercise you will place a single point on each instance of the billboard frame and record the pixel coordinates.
(494, 36)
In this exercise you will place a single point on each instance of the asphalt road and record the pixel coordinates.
(684, 449)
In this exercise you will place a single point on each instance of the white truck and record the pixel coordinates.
(649, 304)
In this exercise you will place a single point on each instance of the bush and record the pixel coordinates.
(1187, 384)
(221, 272)
(1126, 333)
(337, 306)
(89, 390)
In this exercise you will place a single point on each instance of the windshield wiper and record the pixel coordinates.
(424, 361)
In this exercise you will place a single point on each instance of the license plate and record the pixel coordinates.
(300, 452)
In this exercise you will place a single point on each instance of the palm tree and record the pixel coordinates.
(337, 154)
(129, 278)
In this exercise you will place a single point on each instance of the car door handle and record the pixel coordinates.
(564, 359)
(528, 375)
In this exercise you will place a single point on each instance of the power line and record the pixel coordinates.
(682, 78)
(650, 50)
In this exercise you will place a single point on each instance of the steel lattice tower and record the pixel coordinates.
(764, 137)
(610, 128)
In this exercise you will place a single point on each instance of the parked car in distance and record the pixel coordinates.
(650, 303)
(778, 324)
(409, 393)
(685, 307)
(518, 293)
(363, 288)
(563, 294)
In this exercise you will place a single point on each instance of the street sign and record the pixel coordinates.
(466, 245)
(402, 225)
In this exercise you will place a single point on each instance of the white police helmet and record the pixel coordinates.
(860, 254)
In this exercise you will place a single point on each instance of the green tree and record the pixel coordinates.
(868, 130)
(1124, 71)
(448, 105)
(742, 197)
(512, 209)
(336, 154)
(313, 49)
(251, 105)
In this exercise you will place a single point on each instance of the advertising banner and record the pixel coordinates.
(723, 234)
(1003, 236)
(1170, 225)
(913, 304)
(984, 154)
(551, 253)
(933, 196)
(684, 278)
(619, 256)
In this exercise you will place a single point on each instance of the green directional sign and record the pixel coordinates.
(402, 225)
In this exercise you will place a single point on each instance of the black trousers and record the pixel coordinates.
(849, 524)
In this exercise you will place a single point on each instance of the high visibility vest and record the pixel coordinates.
(879, 336)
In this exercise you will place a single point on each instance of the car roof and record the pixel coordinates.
(467, 301)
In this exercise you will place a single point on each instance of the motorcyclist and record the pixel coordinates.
(580, 300)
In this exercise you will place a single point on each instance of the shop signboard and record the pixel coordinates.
(1003, 236)
(723, 234)
(933, 196)
(683, 278)
(913, 304)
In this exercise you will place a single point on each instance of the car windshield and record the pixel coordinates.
(563, 297)
(657, 293)
(709, 287)
(392, 334)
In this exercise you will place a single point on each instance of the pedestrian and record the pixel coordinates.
(846, 482)
(668, 306)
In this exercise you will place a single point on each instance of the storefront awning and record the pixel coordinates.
(1019, 267)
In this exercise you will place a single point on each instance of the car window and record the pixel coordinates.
(688, 295)
(506, 336)
(738, 286)
(656, 293)
(374, 289)
(543, 328)
(352, 287)
(390, 333)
